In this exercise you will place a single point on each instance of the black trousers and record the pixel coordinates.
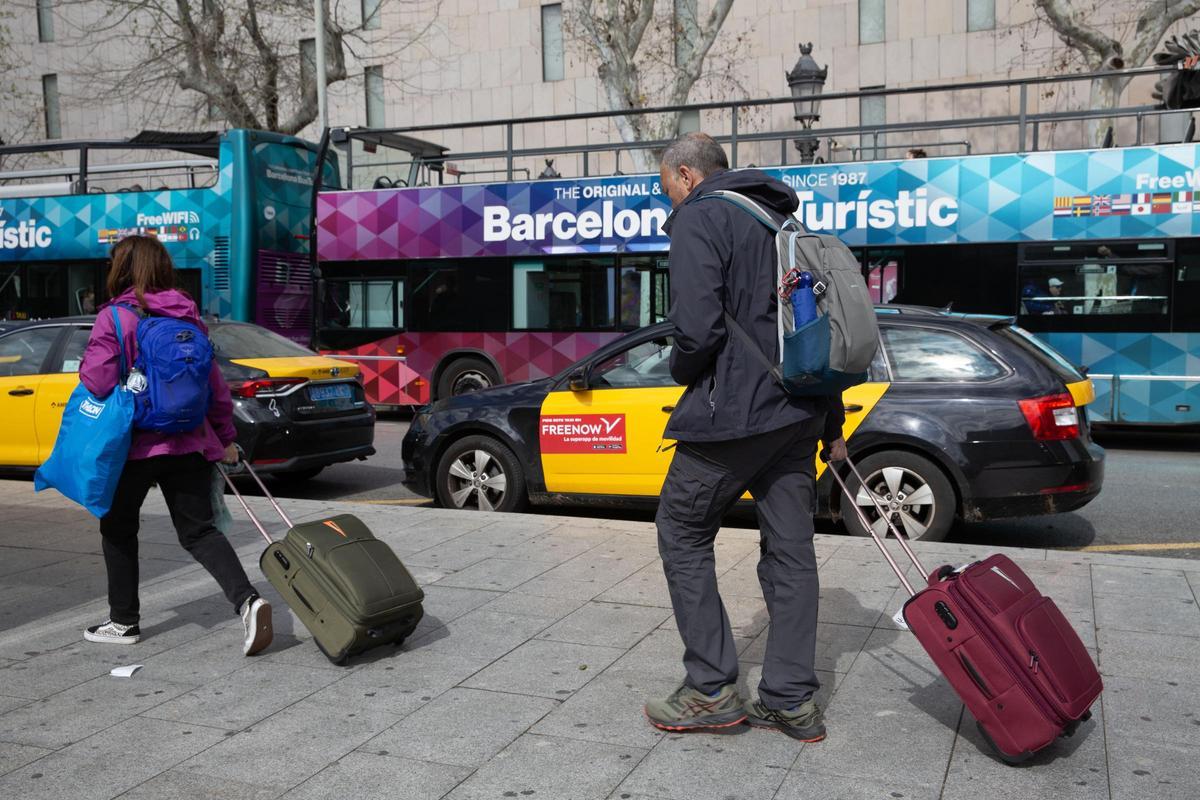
(186, 483)
(704, 482)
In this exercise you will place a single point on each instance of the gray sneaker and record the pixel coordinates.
(688, 709)
(804, 722)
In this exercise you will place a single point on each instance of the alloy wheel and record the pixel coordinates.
(904, 495)
(477, 480)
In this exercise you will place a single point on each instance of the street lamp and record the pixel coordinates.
(806, 80)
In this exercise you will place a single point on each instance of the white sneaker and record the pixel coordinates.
(109, 632)
(256, 617)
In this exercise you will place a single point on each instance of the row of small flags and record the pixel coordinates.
(1113, 205)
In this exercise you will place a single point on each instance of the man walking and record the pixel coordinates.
(737, 430)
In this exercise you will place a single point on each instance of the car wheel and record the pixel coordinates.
(466, 375)
(479, 473)
(297, 476)
(913, 490)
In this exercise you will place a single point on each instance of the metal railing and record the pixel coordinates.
(1029, 125)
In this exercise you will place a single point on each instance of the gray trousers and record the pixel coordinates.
(704, 482)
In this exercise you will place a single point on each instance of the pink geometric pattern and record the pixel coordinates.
(521, 356)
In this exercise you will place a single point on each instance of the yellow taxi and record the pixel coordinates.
(963, 416)
(296, 412)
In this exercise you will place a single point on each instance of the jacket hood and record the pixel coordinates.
(753, 183)
(170, 303)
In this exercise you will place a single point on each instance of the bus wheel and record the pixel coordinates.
(478, 473)
(915, 493)
(466, 375)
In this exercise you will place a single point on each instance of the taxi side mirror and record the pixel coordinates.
(577, 381)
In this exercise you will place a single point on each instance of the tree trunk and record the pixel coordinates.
(1106, 93)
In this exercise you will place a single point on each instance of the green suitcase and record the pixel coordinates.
(347, 587)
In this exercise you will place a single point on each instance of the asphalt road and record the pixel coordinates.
(1150, 503)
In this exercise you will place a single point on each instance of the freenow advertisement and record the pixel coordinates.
(1132, 192)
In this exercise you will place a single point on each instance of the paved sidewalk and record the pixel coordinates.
(542, 638)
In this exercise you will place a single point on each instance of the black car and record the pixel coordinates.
(296, 412)
(963, 416)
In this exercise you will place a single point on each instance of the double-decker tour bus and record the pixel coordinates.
(233, 210)
(438, 290)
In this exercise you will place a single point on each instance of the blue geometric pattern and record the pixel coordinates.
(1131, 357)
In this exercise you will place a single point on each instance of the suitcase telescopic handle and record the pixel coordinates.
(266, 493)
(862, 518)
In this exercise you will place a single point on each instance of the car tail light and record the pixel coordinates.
(264, 386)
(1052, 418)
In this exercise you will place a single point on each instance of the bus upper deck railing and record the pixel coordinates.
(1028, 124)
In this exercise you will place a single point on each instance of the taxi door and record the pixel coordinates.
(23, 355)
(62, 376)
(606, 437)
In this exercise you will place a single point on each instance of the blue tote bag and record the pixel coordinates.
(93, 443)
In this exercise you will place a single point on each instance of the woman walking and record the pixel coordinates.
(142, 277)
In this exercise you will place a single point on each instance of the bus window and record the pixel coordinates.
(373, 304)
(1095, 288)
(567, 295)
(446, 297)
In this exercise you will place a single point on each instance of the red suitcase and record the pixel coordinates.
(1014, 659)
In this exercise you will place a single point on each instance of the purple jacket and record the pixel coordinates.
(101, 365)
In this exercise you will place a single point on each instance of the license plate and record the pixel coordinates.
(327, 394)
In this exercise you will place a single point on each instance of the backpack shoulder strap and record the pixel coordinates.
(754, 209)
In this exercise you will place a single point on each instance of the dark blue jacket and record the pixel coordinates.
(723, 259)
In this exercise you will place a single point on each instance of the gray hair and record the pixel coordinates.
(698, 151)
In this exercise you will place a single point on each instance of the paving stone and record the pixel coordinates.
(496, 574)
(646, 587)
(660, 655)
(77, 713)
(402, 683)
(1152, 769)
(292, 745)
(742, 763)
(583, 577)
(855, 606)
(546, 669)
(20, 559)
(607, 624)
(1153, 657)
(808, 785)
(1148, 614)
(9, 703)
(481, 634)
(609, 709)
(366, 777)
(445, 603)
(751, 674)
(465, 727)
(14, 756)
(175, 783)
(245, 696)
(892, 694)
(550, 767)
(1134, 582)
(457, 554)
(747, 615)
(1152, 711)
(85, 770)
(557, 546)
(1075, 767)
(837, 646)
(529, 605)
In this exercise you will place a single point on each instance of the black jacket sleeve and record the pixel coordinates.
(835, 417)
(700, 252)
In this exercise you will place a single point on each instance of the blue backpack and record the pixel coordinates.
(175, 357)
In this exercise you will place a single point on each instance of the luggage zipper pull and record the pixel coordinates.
(1033, 662)
(309, 549)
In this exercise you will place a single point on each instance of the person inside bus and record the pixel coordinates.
(737, 430)
(142, 277)
(1037, 303)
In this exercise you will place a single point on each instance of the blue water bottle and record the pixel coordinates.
(804, 302)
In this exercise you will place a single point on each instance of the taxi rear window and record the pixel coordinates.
(1042, 352)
